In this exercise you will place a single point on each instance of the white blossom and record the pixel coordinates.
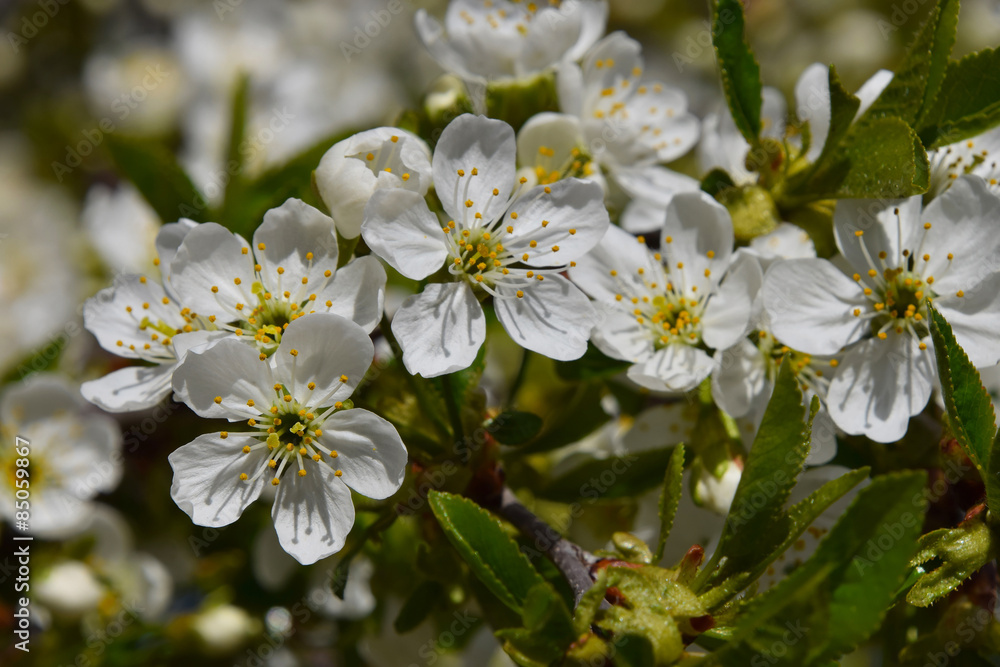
(73, 455)
(289, 272)
(666, 311)
(295, 405)
(351, 171)
(902, 257)
(504, 39)
(496, 240)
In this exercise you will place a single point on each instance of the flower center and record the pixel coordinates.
(810, 371)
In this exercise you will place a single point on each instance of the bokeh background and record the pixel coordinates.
(83, 80)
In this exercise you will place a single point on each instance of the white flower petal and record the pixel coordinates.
(207, 484)
(547, 131)
(787, 241)
(168, 240)
(964, 224)
(811, 305)
(660, 426)
(401, 229)
(642, 216)
(662, 125)
(432, 34)
(879, 385)
(212, 256)
(623, 254)
(563, 223)
(357, 292)
(653, 183)
(229, 370)
(675, 368)
(440, 330)
(115, 314)
(131, 388)
(871, 89)
(728, 313)
(618, 335)
(882, 231)
(553, 317)
(812, 99)
(481, 144)
(289, 233)
(740, 378)
(975, 320)
(313, 515)
(37, 398)
(369, 451)
(346, 178)
(697, 233)
(327, 348)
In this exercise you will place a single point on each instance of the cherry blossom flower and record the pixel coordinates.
(504, 39)
(138, 318)
(385, 157)
(73, 455)
(290, 271)
(296, 405)
(976, 155)
(624, 124)
(496, 240)
(903, 257)
(665, 311)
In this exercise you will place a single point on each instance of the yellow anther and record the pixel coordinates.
(218, 399)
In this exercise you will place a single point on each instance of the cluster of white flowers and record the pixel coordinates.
(277, 333)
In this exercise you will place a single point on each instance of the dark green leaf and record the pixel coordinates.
(572, 421)
(915, 85)
(490, 553)
(757, 522)
(618, 477)
(878, 158)
(969, 101)
(802, 515)
(234, 164)
(593, 365)
(156, 174)
(970, 410)
(738, 67)
(837, 598)
(959, 553)
(670, 498)
(512, 427)
(716, 181)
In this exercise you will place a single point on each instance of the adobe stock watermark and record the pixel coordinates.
(901, 13)
(32, 23)
(122, 106)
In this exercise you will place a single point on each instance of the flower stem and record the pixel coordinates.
(571, 559)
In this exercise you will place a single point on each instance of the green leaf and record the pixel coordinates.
(548, 628)
(738, 67)
(757, 522)
(837, 598)
(969, 101)
(157, 175)
(716, 181)
(970, 410)
(878, 158)
(670, 498)
(593, 365)
(622, 476)
(418, 606)
(490, 553)
(512, 427)
(961, 552)
(915, 85)
(234, 155)
(802, 515)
